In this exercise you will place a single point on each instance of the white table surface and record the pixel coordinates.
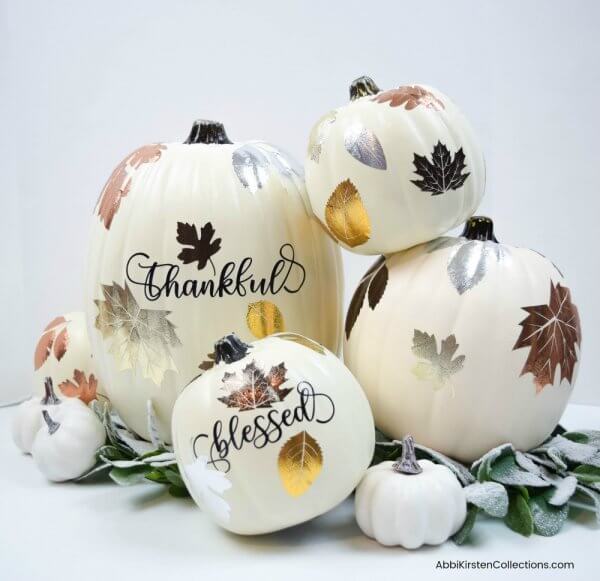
(101, 531)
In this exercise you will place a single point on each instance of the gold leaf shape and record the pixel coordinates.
(300, 462)
(264, 318)
(346, 216)
(436, 367)
(141, 338)
(302, 340)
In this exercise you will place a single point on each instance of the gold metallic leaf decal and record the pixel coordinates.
(141, 338)
(346, 216)
(302, 340)
(300, 462)
(434, 366)
(264, 318)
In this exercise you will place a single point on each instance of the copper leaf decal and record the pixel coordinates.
(300, 461)
(362, 144)
(410, 97)
(119, 183)
(82, 387)
(442, 173)
(202, 249)
(254, 389)
(374, 281)
(551, 332)
(140, 338)
(346, 215)
(434, 366)
(54, 339)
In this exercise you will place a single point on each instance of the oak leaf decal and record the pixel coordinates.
(372, 283)
(410, 97)
(346, 215)
(551, 332)
(80, 386)
(202, 249)
(54, 339)
(434, 366)
(300, 461)
(254, 389)
(442, 173)
(119, 182)
(140, 338)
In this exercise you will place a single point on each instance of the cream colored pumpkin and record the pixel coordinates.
(194, 240)
(276, 433)
(465, 344)
(392, 169)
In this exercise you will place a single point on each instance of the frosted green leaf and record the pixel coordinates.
(465, 530)
(506, 471)
(482, 466)
(547, 519)
(491, 497)
(519, 517)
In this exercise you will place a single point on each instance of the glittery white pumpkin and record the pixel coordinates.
(276, 433)
(194, 240)
(392, 169)
(465, 343)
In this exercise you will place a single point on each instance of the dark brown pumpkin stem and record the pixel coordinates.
(479, 228)
(52, 425)
(363, 87)
(49, 395)
(407, 464)
(204, 131)
(230, 348)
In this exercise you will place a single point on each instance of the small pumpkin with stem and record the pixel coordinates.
(410, 503)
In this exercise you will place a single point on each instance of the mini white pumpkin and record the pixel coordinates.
(465, 343)
(393, 169)
(194, 240)
(276, 433)
(410, 503)
(63, 353)
(65, 445)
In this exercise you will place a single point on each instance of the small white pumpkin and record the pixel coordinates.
(410, 503)
(66, 444)
(393, 169)
(465, 343)
(276, 433)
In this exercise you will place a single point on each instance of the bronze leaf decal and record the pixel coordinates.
(300, 462)
(54, 339)
(80, 386)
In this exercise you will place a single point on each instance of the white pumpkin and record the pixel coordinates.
(65, 446)
(276, 433)
(194, 240)
(410, 503)
(64, 354)
(392, 169)
(465, 343)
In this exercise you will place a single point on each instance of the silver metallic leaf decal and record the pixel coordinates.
(470, 263)
(319, 135)
(362, 144)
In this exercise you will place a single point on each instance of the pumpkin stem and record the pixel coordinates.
(479, 228)
(52, 425)
(230, 348)
(49, 395)
(362, 87)
(408, 461)
(204, 131)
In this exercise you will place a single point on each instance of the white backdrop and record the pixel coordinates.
(84, 83)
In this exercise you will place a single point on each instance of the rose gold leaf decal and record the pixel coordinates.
(551, 332)
(119, 183)
(300, 462)
(346, 215)
(49, 339)
(302, 340)
(264, 318)
(81, 387)
(410, 97)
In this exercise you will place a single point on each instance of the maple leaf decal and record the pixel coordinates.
(119, 182)
(551, 332)
(254, 389)
(436, 367)
(372, 283)
(141, 338)
(409, 97)
(202, 249)
(441, 174)
(82, 387)
(54, 339)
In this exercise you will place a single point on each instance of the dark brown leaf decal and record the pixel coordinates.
(201, 248)
(441, 174)
(81, 387)
(208, 363)
(375, 281)
(55, 338)
(119, 183)
(551, 332)
(410, 97)
(254, 389)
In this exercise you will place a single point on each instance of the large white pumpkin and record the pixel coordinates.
(465, 343)
(276, 433)
(392, 169)
(194, 240)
